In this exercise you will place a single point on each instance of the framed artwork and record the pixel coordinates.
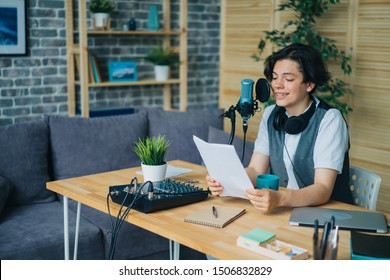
(122, 71)
(13, 28)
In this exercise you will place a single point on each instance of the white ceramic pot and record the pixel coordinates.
(101, 19)
(154, 173)
(161, 72)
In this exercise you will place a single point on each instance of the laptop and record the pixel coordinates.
(345, 219)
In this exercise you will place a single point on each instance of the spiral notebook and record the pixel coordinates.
(218, 217)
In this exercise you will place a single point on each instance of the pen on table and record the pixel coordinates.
(332, 223)
(324, 239)
(315, 240)
(215, 213)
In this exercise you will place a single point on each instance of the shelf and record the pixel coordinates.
(138, 32)
(80, 51)
(136, 83)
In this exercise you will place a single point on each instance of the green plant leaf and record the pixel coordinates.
(151, 150)
(101, 6)
(163, 56)
(302, 30)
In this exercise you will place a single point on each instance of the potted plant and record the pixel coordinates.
(162, 58)
(151, 151)
(101, 10)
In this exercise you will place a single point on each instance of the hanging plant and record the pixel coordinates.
(302, 30)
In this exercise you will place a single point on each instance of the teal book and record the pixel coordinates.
(95, 70)
(265, 243)
(153, 20)
(257, 236)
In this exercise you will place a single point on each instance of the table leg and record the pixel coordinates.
(174, 250)
(76, 237)
(66, 228)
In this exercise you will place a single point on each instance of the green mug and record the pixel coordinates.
(267, 181)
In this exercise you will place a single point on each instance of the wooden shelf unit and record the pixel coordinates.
(81, 49)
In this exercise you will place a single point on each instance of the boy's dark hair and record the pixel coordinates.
(309, 60)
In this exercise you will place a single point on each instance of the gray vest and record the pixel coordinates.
(303, 161)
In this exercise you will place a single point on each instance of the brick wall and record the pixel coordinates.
(34, 85)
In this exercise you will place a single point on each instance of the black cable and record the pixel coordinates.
(118, 216)
(126, 212)
(115, 231)
(108, 209)
(245, 129)
(121, 217)
(296, 172)
(133, 182)
(113, 237)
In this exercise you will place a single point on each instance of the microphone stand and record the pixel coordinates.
(231, 114)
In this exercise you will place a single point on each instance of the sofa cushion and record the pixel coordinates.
(24, 156)
(82, 146)
(139, 242)
(179, 127)
(36, 232)
(133, 242)
(5, 190)
(221, 137)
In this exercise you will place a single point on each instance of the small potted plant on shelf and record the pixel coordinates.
(101, 10)
(162, 58)
(151, 151)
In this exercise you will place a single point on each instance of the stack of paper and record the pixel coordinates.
(264, 243)
(224, 165)
(257, 236)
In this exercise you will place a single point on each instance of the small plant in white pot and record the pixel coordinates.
(101, 10)
(162, 58)
(151, 151)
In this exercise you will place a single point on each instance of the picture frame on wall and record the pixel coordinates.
(13, 28)
(122, 71)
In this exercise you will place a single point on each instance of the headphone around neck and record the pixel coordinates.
(293, 124)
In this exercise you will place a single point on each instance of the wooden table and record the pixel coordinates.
(92, 190)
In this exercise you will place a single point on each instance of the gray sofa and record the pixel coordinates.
(59, 147)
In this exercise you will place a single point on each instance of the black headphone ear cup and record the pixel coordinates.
(295, 125)
(280, 119)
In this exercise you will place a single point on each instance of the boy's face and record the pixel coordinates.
(288, 87)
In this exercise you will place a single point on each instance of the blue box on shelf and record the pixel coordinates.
(122, 71)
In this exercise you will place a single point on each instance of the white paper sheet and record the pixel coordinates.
(224, 165)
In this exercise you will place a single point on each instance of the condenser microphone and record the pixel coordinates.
(262, 90)
(246, 104)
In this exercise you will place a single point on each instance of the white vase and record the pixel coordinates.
(161, 72)
(154, 173)
(101, 19)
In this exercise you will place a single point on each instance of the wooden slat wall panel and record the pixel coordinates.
(370, 121)
(361, 27)
(241, 25)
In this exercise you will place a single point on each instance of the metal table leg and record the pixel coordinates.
(174, 250)
(66, 229)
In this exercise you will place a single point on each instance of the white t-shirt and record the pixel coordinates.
(329, 150)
